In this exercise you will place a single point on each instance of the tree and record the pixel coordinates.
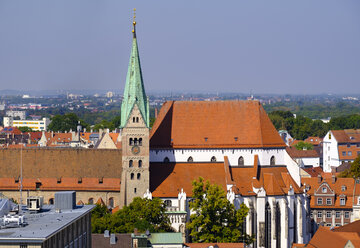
(214, 218)
(25, 129)
(66, 122)
(304, 146)
(143, 214)
(353, 171)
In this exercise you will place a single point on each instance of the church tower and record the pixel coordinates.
(134, 131)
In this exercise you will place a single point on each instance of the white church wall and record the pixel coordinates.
(293, 168)
(205, 155)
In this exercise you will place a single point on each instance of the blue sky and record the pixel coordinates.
(297, 47)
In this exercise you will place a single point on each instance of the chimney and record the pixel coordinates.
(333, 179)
(52, 134)
(319, 178)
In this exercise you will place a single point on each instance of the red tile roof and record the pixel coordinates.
(201, 124)
(347, 135)
(313, 140)
(295, 153)
(220, 245)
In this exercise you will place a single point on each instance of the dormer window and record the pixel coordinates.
(324, 190)
(206, 139)
(213, 159)
(236, 138)
(343, 188)
(342, 201)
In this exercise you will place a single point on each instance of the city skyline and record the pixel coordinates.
(275, 48)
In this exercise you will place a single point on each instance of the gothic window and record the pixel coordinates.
(167, 203)
(91, 201)
(131, 142)
(295, 223)
(137, 119)
(133, 119)
(131, 163)
(111, 202)
(278, 225)
(272, 160)
(190, 159)
(135, 141)
(140, 142)
(132, 176)
(138, 176)
(166, 160)
(140, 163)
(267, 225)
(51, 201)
(213, 159)
(241, 161)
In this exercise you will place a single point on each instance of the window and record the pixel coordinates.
(51, 201)
(343, 153)
(272, 160)
(111, 202)
(135, 141)
(337, 215)
(23, 246)
(311, 214)
(133, 119)
(140, 142)
(37, 185)
(328, 214)
(319, 214)
(135, 190)
(91, 201)
(241, 161)
(132, 176)
(324, 190)
(319, 201)
(168, 203)
(140, 163)
(349, 153)
(131, 164)
(131, 142)
(343, 188)
(190, 159)
(328, 201)
(358, 201)
(138, 176)
(137, 119)
(166, 160)
(348, 145)
(342, 201)
(213, 159)
(347, 215)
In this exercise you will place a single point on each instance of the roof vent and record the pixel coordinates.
(206, 139)
(112, 239)
(236, 138)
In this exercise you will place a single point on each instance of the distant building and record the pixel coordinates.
(340, 146)
(304, 158)
(109, 94)
(36, 125)
(50, 227)
(15, 113)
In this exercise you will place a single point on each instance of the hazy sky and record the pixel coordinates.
(297, 47)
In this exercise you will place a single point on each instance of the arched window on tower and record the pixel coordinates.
(138, 176)
(140, 141)
(267, 225)
(213, 159)
(137, 119)
(241, 161)
(132, 176)
(131, 164)
(166, 160)
(135, 141)
(133, 119)
(272, 160)
(190, 159)
(131, 142)
(168, 203)
(140, 163)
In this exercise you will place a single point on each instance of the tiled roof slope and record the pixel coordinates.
(222, 124)
(347, 135)
(167, 180)
(295, 153)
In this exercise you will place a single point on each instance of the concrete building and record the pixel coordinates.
(340, 146)
(50, 227)
(16, 113)
(36, 125)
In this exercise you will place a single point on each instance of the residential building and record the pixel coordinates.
(340, 146)
(36, 125)
(304, 158)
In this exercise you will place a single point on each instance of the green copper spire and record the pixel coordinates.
(134, 92)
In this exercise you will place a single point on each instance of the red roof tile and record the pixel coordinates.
(295, 153)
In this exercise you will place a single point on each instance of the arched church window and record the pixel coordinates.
(135, 141)
(295, 223)
(140, 141)
(51, 201)
(168, 203)
(140, 163)
(111, 202)
(267, 225)
(137, 119)
(138, 176)
(91, 201)
(131, 142)
(166, 160)
(190, 159)
(132, 176)
(278, 225)
(272, 160)
(213, 159)
(133, 119)
(241, 161)
(131, 163)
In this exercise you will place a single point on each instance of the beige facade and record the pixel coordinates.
(135, 158)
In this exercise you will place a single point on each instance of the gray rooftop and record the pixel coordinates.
(42, 225)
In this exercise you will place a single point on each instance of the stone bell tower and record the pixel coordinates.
(135, 179)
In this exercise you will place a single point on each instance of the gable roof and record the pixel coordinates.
(295, 153)
(347, 135)
(222, 124)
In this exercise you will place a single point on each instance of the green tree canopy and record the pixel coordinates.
(66, 122)
(304, 146)
(214, 218)
(354, 170)
(143, 214)
(25, 129)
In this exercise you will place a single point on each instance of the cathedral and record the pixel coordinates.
(230, 143)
